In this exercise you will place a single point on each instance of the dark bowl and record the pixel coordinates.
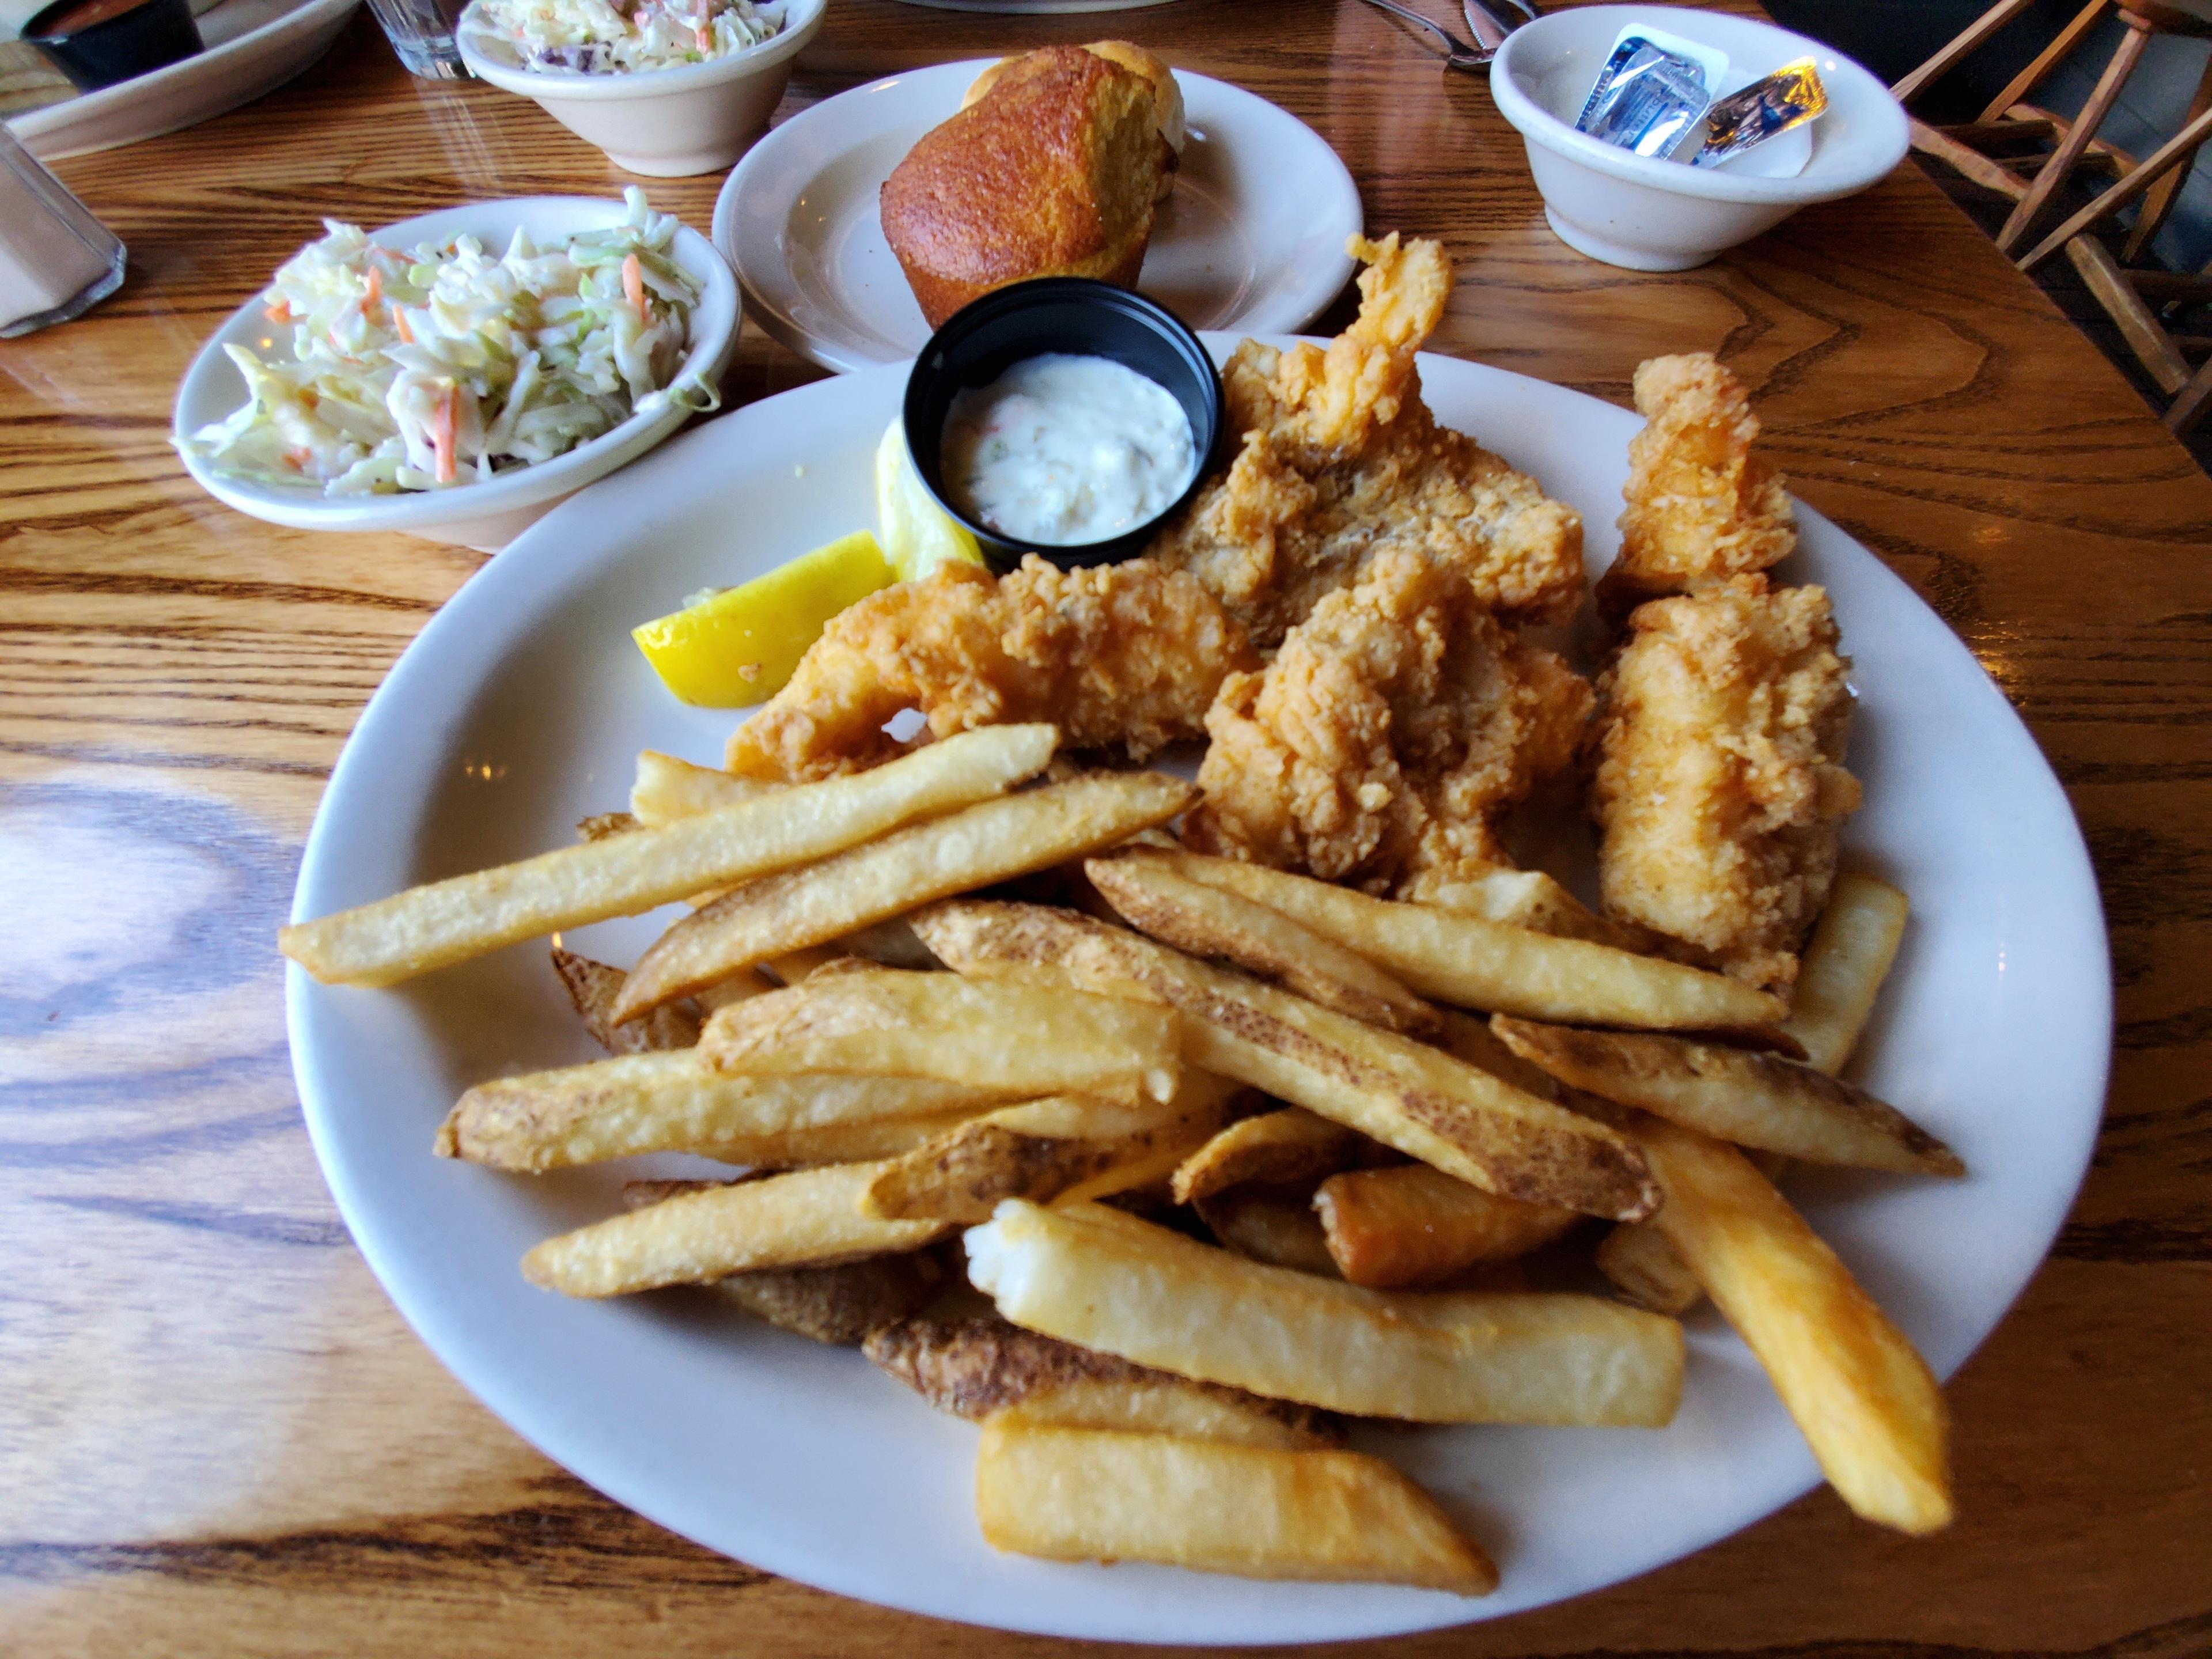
(1073, 314)
(133, 42)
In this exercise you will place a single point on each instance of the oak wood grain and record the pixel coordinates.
(216, 1438)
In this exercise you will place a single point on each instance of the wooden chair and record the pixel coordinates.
(1990, 150)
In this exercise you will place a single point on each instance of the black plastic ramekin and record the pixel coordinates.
(1072, 314)
(148, 36)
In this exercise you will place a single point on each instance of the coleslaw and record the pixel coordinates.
(610, 37)
(447, 365)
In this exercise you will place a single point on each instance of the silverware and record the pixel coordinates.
(1488, 28)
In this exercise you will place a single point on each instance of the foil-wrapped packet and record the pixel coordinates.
(1789, 98)
(1647, 99)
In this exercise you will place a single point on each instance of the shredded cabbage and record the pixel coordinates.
(445, 366)
(608, 36)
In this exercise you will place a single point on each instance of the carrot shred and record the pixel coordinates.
(442, 435)
(375, 294)
(279, 312)
(633, 285)
(399, 323)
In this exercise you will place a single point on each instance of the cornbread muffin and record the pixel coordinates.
(1052, 172)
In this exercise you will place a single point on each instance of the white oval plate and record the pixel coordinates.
(1252, 239)
(485, 516)
(253, 47)
(520, 710)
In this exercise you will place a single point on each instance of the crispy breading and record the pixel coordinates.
(1720, 787)
(1342, 460)
(1125, 654)
(1395, 724)
(1701, 507)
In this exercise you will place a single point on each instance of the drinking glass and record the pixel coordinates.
(422, 33)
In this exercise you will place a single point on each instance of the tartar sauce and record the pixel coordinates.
(1062, 450)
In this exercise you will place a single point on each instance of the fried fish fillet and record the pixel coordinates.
(1125, 654)
(1701, 507)
(1394, 726)
(1342, 460)
(1720, 786)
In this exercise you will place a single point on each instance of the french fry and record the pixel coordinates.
(667, 789)
(979, 1368)
(1389, 1088)
(1636, 1257)
(1844, 967)
(1415, 1226)
(1278, 1228)
(1474, 962)
(592, 988)
(1840, 976)
(676, 1102)
(1862, 1395)
(1094, 1495)
(1040, 1149)
(1020, 1039)
(448, 922)
(810, 1218)
(600, 825)
(1276, 1148)
(1211, 921)
(1736, 1095)
(1521, 898)
(838, 1305)
(1092, 1275)
(990, 842)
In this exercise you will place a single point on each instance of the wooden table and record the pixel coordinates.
(216, 1438)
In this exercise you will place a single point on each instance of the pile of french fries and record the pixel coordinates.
(1164, 1168)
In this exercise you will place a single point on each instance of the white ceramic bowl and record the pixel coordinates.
(486, 516)
(1650, 214)
(666, 124)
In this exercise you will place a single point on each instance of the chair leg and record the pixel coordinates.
(1970, 162)
(2159, 203)
(2189, 408)
(2061, 166)
(2046, 60)
(1948, 56)
(2108, 285)
(2154, 167)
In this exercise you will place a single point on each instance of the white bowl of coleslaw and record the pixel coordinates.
(463, 398)
(659, 113)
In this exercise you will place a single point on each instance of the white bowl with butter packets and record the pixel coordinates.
(1648, 214)
(561, 389)
(672, 121)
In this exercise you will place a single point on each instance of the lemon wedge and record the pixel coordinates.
(740, 645)
(917, 534)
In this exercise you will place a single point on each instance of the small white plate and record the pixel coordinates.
(253, 47)
(1252, 238)
(485, 516)
(521, 709)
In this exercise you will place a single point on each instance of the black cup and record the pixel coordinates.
(1072, 314)
(150, 34)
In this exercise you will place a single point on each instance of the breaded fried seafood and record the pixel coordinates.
(1126, 655)
(1342, 460)
(1701, 507)
(1720, 787)
(1395, 725)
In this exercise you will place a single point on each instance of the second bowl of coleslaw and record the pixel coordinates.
(458, 375)
(666, 88)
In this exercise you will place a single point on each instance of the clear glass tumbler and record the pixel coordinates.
(422, 33)
(56, 259)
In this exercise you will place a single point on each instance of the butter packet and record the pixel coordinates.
(1652, 93)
